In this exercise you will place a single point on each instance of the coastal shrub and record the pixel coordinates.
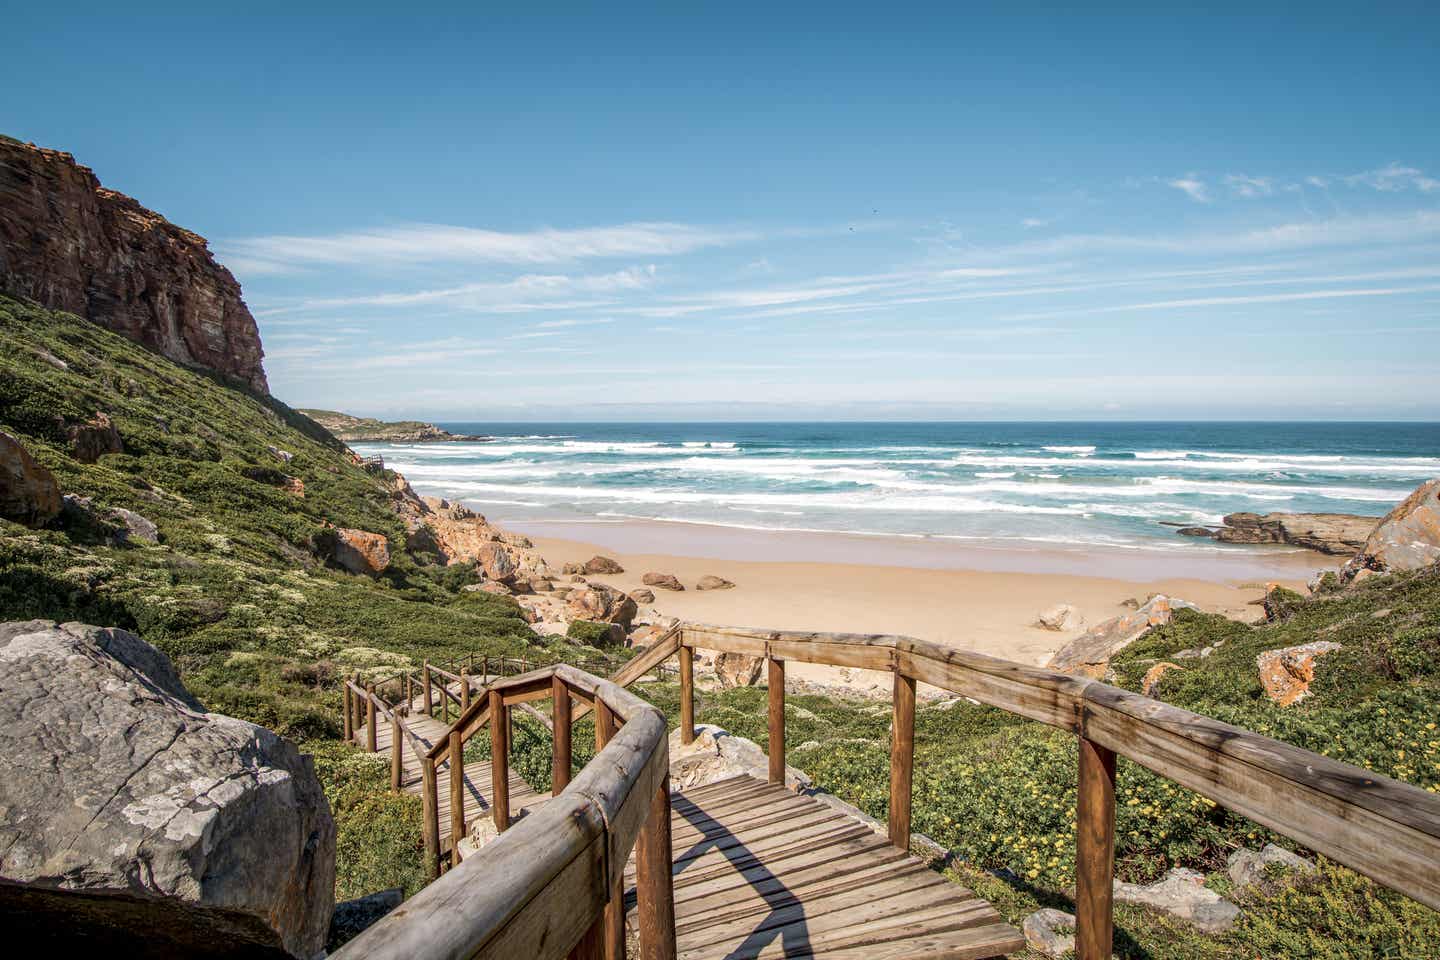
(379, 841)
(589, 632)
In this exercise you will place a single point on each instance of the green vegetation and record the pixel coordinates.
(235, 592)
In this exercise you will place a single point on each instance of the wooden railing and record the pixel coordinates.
(553, 884)
(1383, 828)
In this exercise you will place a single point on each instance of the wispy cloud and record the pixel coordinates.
(526, 292)
(440, 243)
(1192, 186)
(1246, 186)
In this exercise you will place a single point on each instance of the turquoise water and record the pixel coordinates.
(1121, 484)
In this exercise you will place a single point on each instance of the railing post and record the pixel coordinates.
(464, 688)
(776, 679)
(485, 668)
(560, 757)
(612, 934)
(370, 716)
(430, 813)
(499, 761)
(1095, 853)
(429, 703)
(654, 889)
(397, 759)
(902, 760)
(349, 716)
(687, 695)
(457, 795)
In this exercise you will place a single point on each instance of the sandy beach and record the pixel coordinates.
(984, 598)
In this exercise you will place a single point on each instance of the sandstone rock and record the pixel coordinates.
(646, 635)
(360, 551)
(136, 820)
(135, 526)
(93, 439)
(665, 581)
(738, 669)
(598, 564)
(294, 486)
(70, 244)
(1195, 532)
(1246, 867)
(1286, 674)
(642, 595)
(489, 586)
(1408, 537)
(496, 561)
(1062, 616)
(716, 754)
(573, 569)
(601, 603)
(712, 582)
(1335, 533)
(1090, 653)
(541, 609)
(1182, 893)
(1151, 681)
(1049, 931)
(28, 491)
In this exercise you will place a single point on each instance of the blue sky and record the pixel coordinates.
(732, 211)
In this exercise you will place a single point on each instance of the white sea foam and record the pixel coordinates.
(1083, 450)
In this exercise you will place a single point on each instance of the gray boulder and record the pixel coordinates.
(1182, 893)
(1089, 654)
(1246, 867)
(1049, 931)
(136, 822)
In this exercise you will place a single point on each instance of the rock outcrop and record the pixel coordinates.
(369, 430)
(69, 243)
(712, 582)
(601, 565)
(360, 551)
(600, 603)
(1247, 867)
(1286, 674)
(28, 491)
(1089, 654)
(139, 825)
(1049, 931)
(95, 438)
(1061, 617)
(1408, 537)
(1340, 534)
(1182, 893)
(738, 669)
(717, 754)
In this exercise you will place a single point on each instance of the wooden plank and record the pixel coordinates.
(687, 697)
(349, 714)
(499, 762)
(902, 759)
(859, 650)
(654, 896)
(370, 717)
(854, 837)
(397, 746)
(430, 818)
(560, 755)
(973, 943)
(553, 866)
(1043, 695)
(775, 697)
(457, 793)
(1094, 853)
(752, 643)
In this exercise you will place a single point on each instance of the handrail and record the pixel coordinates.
(555, 879)
(1380, 827)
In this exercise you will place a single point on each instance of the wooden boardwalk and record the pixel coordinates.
(762, 872)
(477, 773)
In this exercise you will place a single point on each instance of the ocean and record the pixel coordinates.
(1124, 485)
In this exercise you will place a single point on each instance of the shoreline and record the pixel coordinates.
(783, 585)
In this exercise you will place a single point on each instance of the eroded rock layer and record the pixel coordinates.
(70, 244)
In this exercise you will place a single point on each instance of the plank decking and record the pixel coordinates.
(762, 872)
(477, 773)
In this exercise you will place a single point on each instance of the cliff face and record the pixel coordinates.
(70, 244)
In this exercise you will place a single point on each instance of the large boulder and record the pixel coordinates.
(601, 603)
(1089, 654)
(137, 824)
(28, 491)
(1335, 533)
(1408, 537)
(665, 581)
(738, 669)
(602, 565)
(1182, 893)
(1061, 617)
(717, 754)
(360, 551)
(712, 582)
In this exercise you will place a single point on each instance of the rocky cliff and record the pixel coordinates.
(68, 243)
(369, 430)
